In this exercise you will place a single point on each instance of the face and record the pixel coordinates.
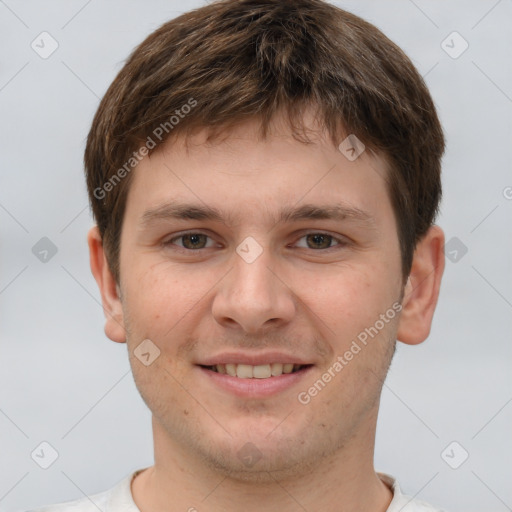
(246, 258)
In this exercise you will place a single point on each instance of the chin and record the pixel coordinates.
(269, 469)
(264, 460)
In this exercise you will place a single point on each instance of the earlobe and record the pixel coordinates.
(112, 307)
(422, 288)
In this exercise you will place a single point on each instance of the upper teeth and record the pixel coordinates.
(262, 371)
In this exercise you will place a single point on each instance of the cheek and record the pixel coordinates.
(151, 299)
(349, 300)
(159, 296)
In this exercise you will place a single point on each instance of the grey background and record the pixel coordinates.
(62, 381)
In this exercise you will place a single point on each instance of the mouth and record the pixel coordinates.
(261, 371)
(259, 381)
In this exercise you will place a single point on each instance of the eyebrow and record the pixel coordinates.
(187, 211)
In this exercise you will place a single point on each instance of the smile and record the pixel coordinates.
(261, 371)
(255, 381)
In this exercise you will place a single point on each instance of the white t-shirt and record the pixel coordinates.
(119, 499)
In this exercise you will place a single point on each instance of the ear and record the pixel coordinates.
(112, 307)
(422, 288)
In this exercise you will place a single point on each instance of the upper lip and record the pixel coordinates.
(253, 359)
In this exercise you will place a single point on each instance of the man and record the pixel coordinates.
(264, 176)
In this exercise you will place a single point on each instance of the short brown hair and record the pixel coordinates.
(235, 60)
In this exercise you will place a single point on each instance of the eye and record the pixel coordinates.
(194, 241)
(191, 241)
(321, 241)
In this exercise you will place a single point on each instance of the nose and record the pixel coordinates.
(254, 296)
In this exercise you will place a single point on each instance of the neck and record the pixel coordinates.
(345, 480)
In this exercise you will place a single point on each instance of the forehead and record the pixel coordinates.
(242, 170)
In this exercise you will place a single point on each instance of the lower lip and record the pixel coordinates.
(256, 388)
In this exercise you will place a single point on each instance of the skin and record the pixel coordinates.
(305, 296)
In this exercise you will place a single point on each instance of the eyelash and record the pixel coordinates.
(341, 242)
